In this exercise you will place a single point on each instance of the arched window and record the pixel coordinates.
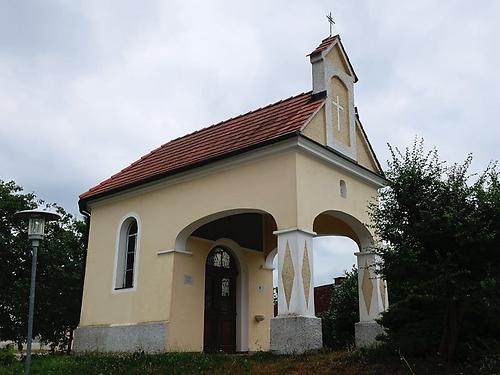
(127, 247)
(343, 189)
(219, 257)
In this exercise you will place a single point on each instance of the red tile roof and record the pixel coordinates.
(325, 43)
(264, 124)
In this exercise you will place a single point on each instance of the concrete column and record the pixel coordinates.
(295, 329)
(373, 299)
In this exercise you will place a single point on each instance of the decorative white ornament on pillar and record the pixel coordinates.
(295, 273)
(373, 300)
(372, 289)
(295, 329)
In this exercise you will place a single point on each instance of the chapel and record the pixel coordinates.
(182, 242)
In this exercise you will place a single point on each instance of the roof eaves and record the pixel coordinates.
(345, 157)
(82, 203)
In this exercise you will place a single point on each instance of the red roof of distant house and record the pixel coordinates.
(264, 124)
(322, 298)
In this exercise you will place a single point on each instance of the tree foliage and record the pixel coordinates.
(440, 254)
(338, 322)
(60, 262)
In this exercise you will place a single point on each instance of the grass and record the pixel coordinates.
(321, 362)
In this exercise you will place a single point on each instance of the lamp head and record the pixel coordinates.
(37, 219)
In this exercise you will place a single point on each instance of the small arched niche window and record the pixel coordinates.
(127, 247)
(343, 189)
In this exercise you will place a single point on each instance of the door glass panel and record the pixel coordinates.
(226, 260)
(225, 287)
(220, 258)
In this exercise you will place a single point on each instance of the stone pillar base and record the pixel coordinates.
(366, 332)
(148, 337)
(295, 334)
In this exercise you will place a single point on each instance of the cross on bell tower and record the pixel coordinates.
(331, 21)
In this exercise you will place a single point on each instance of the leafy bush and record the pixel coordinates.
(441, 234)
(338, 322)
(7, 355)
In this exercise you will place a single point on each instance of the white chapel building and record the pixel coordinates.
(182, 241)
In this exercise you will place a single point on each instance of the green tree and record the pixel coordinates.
(338, 322)
(440, 254)
(60, 262)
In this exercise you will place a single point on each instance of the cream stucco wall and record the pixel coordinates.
(187, 314)
(266, 184)
(318, 190)
(335, 57)
(316, 128)
(101, 304)
(293, 186)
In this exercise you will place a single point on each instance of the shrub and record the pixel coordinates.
(7, 355)
(338, 322)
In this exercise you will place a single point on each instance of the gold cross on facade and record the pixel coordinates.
(339, 108)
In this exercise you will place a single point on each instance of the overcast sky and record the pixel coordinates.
(88, 87)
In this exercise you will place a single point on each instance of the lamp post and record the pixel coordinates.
(36, 232)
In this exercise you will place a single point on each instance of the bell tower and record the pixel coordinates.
(334, 77)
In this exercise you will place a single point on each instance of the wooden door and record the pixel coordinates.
(220, 302)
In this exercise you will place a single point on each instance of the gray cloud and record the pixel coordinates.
(88, 87)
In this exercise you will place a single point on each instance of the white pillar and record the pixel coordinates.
(373, 299)
(295, 273)
(295, 329)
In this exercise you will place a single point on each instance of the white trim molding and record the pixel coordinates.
(287, 230)
(118, 242)
(172, 251)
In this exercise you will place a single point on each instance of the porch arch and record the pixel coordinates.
(218, 230)
(268, 221)
(339, 223)
(372, 291)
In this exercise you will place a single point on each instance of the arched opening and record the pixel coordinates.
(334, 248)
(333, 256)
(220, 301)
(247, 235)
(338, 223)
(250, 228)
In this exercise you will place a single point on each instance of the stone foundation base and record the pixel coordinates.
(147, 337)
(366, 332)
(295, 334)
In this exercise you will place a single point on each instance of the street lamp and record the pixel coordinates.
(36, 232)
